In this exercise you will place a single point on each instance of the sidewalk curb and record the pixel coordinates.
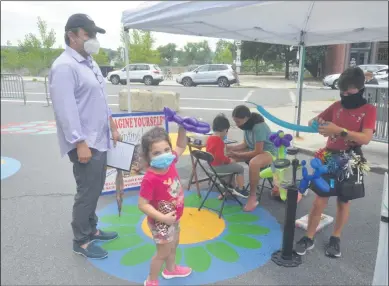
(375, 168)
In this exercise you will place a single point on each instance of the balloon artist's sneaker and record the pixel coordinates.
(333, 247)
(178, 272)
(92, 251)
(303, 245)
(151, 283)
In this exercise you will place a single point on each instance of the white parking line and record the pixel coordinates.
(249, 94)
(116, 104)
(292, 97)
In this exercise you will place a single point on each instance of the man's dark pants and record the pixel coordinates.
(90, 180)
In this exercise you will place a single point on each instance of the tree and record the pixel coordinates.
(168, 53)
(223, 52)
(256, 51)
(197, 53)
(313, 57)
(37, 53)
(101, 58)
(141, 48)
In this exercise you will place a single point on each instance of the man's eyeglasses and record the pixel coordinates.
(98, 75)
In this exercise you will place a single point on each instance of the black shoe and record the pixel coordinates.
(92, 251)
(104, 236)
(303, 245)
(333, 248)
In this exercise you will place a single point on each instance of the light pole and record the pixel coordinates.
(237, 60)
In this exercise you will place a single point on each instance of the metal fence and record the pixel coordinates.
(12, 86)
(378, 96)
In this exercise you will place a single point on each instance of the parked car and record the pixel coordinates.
(332, 80)
(382, 75)
(149, 74)
(220, 74)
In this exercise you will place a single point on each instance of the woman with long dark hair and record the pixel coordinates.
(256, 148)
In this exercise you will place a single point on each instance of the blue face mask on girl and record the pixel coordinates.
(163, 161)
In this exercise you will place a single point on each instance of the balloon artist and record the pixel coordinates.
(348, 124)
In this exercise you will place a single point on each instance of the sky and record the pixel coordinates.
(19, 18)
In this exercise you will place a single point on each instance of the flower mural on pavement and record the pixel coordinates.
(216, 249)
(33, 128)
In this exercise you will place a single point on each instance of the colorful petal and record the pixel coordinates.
(131, 209)
(121, 230)
(243, 241)
(122, 220)
(138, 255)
(248, 229)
(222, 251)
(231, 209)
(241, 218)
(122, 243)
(197, 258)
(192, 200)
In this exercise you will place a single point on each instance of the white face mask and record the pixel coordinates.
(92, 46)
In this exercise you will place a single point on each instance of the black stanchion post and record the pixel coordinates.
(286, 256)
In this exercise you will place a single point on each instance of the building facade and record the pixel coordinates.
(339, 57)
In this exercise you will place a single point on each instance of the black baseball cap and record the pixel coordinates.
(83, 21)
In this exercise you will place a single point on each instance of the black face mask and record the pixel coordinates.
(248, 125)
(353, 101)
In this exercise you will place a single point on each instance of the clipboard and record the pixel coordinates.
(121, 156)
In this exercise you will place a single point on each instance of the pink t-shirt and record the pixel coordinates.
(163, 187)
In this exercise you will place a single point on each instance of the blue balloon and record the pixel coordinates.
(282, 123)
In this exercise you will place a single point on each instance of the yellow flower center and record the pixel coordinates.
(196, 226)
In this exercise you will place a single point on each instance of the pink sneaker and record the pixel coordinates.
(179, 272)
(151, 283)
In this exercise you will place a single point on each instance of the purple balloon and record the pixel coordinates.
(288, 137)
(277, 142)
(202, 130)
(202, 124)
(273, 136)
(285, 142)
(178, 119)
(191, 121)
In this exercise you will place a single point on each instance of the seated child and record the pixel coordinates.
(215, 145)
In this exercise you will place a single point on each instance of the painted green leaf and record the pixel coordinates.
(223, 251)
(121, 230)
(121, 220)
(122, 242)
(241, 218)
(192, 201)
(231, 209)
(197, 258)
(138, 255)
(247, 229)
(243, 241)
(131, 209)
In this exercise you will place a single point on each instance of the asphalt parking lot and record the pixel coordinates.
(36, 203)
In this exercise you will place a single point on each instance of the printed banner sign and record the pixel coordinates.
(132, 126)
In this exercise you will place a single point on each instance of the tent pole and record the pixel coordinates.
(300, 83)
(127, 62)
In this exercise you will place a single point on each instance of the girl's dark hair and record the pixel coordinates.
(220, 123)
(157, 134)
(242, 111)
(351, 77)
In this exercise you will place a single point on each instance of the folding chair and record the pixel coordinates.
(216, 179)
(260, 189)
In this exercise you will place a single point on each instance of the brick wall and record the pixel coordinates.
(335, 59)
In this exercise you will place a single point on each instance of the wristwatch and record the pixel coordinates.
(344, 132)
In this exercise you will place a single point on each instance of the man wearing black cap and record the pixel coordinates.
(84, 126)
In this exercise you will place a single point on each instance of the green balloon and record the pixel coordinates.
(266, 174)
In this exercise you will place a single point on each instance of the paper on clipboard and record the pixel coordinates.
(120, 157)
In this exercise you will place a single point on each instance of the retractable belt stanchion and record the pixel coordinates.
(286, 256)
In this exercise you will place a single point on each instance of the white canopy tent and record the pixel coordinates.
(302, 23)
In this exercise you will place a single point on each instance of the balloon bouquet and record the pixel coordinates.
(281, 141)
(189, 123)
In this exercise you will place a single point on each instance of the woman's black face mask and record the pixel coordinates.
(353, 101)
(248, 125)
